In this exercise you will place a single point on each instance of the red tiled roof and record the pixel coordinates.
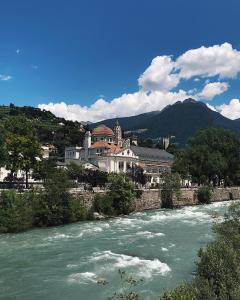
(102, 130)
(112, 149)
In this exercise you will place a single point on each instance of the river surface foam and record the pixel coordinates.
(67, 262)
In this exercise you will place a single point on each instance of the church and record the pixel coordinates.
(107, 150)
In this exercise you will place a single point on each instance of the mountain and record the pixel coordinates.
(181, 120)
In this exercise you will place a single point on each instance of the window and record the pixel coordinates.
(121, 165)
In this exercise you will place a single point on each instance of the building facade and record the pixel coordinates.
(107, 150)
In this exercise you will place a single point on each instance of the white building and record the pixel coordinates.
(105, 149)
(108, 151)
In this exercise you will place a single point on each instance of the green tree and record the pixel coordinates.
(22, 145)
(52, 207)
(170, 187)
(212, 155)
(15, 211)
(42, 169)
(3, 153)
(119, 199)
(122, 192)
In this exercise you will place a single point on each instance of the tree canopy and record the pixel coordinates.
(212, 155)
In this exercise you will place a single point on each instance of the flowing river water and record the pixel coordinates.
(66, 262)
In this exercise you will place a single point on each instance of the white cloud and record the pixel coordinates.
(213, 89)
(231, 110)
(157, 82)
(219, 60)
(159, 76)
(126, 105)
(4, 77)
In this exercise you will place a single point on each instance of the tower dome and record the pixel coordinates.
(102, 130)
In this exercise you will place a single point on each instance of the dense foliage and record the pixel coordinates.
(212, 156)
(218, 268)
(16, 212)
(118, 199)
(91, 177)
(204, 194)
(49, 128)
(22, 146)
(55, 205)
(170, 187)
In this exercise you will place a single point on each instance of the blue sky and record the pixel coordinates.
(73, 53)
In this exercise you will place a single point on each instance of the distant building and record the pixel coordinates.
(106, 149)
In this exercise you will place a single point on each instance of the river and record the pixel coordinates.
(66, 262)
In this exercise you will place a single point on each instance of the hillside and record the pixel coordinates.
(181, 120)
(50, 129)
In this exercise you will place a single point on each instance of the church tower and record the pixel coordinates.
(87, 144)
(118, 134)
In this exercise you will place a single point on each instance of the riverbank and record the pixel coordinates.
(61, 206)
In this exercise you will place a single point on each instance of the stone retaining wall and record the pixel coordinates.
(151, 199)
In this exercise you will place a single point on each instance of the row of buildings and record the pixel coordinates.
(106, 149)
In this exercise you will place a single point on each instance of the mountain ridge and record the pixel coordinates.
(181, 119)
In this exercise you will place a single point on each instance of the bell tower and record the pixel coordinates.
(87, 144)
(118, 134)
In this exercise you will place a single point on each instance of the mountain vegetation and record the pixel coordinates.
(49, 128)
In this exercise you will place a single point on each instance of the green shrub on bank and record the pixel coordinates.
(103, 204)
(51, 207)
(204, 195)
(170, 187)
(16, 212)
(119, 199)
(56, 205)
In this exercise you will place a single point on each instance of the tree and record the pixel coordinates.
(15, 211)
(74, 171)
(212, 155)
(43, 168)
(171, 185)
(22, 145)
(122, 192)
(52, 207)
(119, 199)
(3, 153)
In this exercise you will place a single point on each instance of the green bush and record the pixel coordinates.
(122, 194)
(77, 210)
(204, 195)
(171, 186)
(103, 204)
(15, 211)
(119, 199)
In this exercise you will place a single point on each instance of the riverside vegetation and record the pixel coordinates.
(56, 205)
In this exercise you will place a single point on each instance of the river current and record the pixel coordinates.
(66, 262)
